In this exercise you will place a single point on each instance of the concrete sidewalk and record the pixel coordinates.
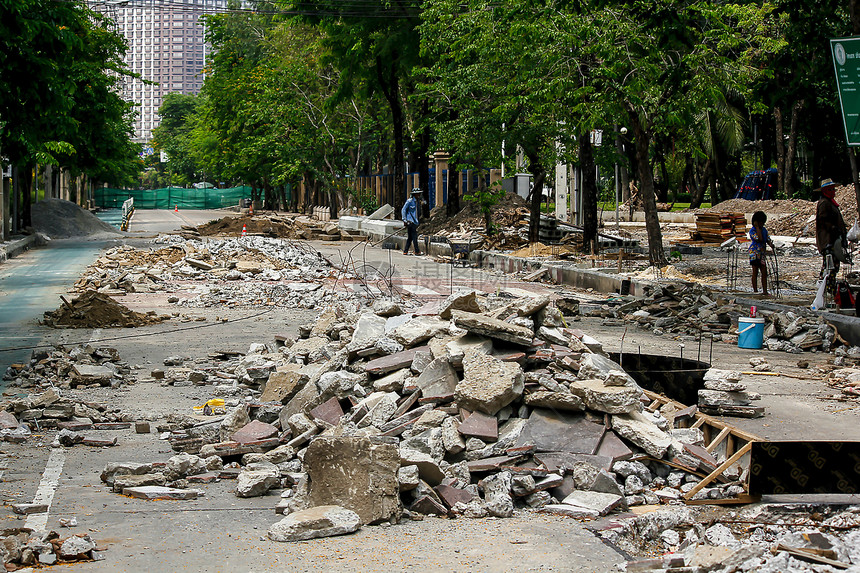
(16, 246)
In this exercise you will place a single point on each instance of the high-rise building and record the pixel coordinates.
(166, 46)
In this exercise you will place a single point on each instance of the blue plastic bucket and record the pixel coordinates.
(750, 332)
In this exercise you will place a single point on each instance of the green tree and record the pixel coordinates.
(173, 134)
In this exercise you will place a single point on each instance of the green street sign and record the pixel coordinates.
(846, 64)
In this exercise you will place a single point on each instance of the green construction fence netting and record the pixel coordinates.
(172, 197)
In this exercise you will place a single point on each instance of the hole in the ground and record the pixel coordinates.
(676, 378)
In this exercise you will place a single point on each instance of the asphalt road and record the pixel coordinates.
(32, 284)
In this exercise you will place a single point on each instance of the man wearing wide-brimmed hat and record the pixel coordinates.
(409, 214)
(830, 228)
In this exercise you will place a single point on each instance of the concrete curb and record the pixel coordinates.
(16, 247)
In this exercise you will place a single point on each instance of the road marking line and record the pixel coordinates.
(47, 488)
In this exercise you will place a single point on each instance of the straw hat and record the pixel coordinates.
(826, 183)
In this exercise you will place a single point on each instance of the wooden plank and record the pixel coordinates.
(743, 498)
(720, 469)
(809, 554)
(709, 420)
(716, 441)
(698, 423)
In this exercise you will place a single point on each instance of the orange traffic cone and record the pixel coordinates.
(251, 209)
(176, 208)
(244, 230)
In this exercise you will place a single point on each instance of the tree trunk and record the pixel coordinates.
(390, 87)
(622, 169)
(26, 188)
(590, 243)
(454, 177)
(852, 158)
(792, 150)
(423, 159)
(780, 150)
(538, 172)
(687, 180)
(642, 140)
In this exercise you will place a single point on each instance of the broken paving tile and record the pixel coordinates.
(254, 431)
(452, 495)
(613, 447)
(392, 362)
(329, 411)
(480, 426)
(492, 464)
(428, 506)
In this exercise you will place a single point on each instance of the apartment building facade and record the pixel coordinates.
(166, 46)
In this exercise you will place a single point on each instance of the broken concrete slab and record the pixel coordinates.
(637, 428)
(555, 400)
(283, 384)
(566, 510)
(600, 502)
(438, 379)
(488, 384)
(151, 479)
(463, 300)
(235, 420)
(609, 399)
(493, 328)
(356, 473)
(718, 398)
(419, 329)
(428, 469)
(154, 492)
(314, 523)
(553, 431)
(257, 478)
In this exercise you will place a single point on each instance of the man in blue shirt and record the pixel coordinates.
(409, 214)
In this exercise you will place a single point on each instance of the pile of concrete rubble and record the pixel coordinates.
(238, 271)
(23, 547)
(779, 538)
(472, 408)
(694, 310)
(50, 410)
(81, 366)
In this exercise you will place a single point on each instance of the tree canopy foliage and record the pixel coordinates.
(60, 68)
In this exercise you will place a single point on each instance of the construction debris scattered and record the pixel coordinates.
(694, 310)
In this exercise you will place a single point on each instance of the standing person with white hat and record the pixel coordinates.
(409, 214)
(830, 234)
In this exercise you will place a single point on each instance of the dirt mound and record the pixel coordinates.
(61, 219)
(507, 212)
(267, 226)
(789, 216)
(96, 310)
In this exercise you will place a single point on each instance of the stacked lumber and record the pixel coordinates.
(718, 227)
